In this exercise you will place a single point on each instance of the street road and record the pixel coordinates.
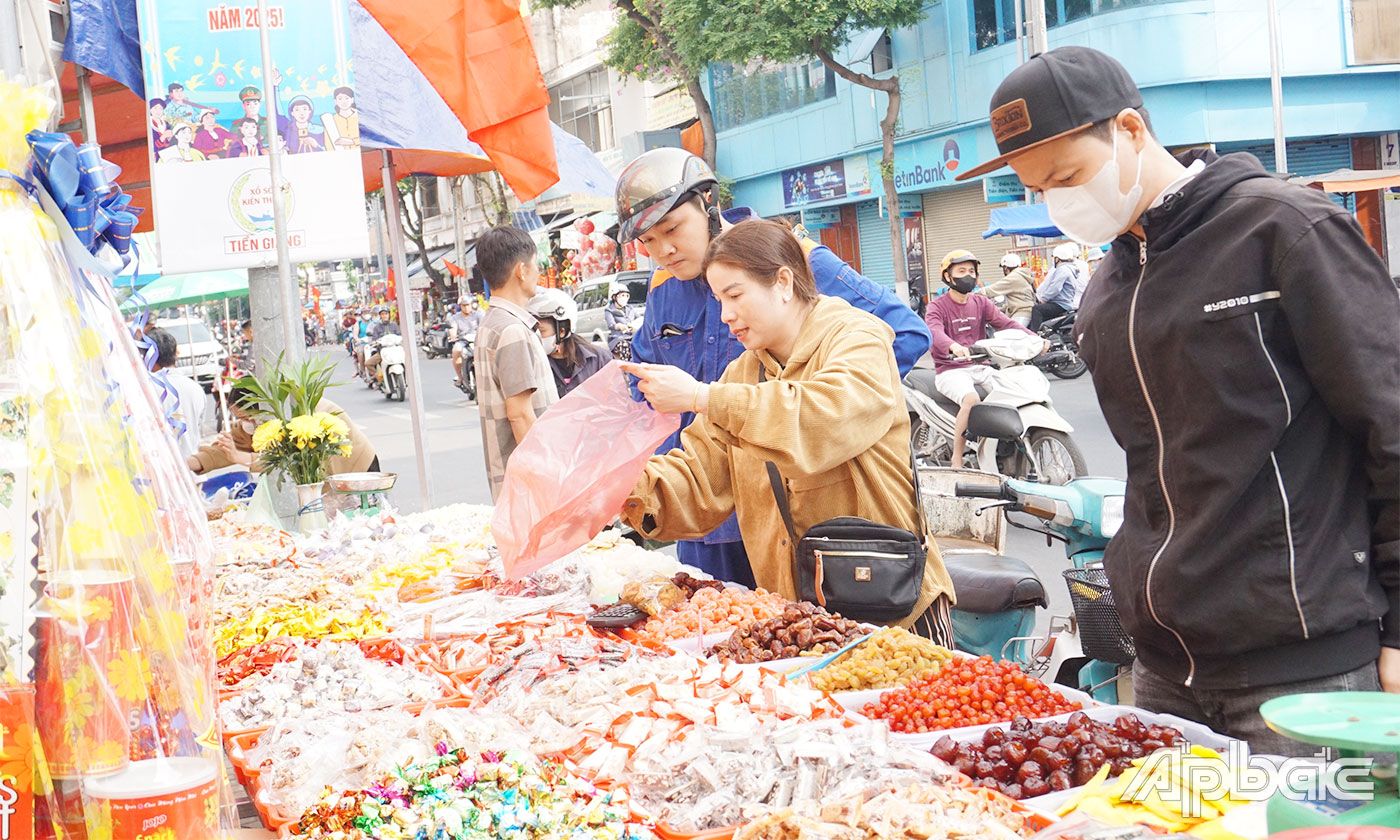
(458, 470)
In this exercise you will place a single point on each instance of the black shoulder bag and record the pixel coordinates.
(861, 569)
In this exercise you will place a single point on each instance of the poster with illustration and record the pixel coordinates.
(212, 118)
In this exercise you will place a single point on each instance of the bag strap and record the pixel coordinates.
(775, 479)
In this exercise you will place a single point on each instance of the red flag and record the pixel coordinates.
(477, 54)
(454, 269)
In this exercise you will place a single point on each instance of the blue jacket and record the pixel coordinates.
(682, 327)
(1059, 287)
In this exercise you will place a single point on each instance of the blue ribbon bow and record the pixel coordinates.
(84, 187)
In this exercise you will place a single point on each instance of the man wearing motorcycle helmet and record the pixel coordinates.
(1016, 287)
(667, 199)
(1060, 291)
(956, 321)
(618, 316)
(377, 330)
(572, 358)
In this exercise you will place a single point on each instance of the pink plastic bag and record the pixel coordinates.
(575, 468)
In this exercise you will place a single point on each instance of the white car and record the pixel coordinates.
(592, 299)
(201, 357)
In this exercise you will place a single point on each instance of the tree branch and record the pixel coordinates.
(890, 84)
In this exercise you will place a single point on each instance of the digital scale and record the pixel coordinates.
(366, 485)
(1355, 723)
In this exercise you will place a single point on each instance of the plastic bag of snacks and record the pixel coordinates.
(123, 659)
(563, 486)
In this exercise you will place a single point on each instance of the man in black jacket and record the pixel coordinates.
(1241, 335)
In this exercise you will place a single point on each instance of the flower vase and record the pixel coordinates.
(311, 513)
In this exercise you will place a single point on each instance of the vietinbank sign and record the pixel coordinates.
(932, 163)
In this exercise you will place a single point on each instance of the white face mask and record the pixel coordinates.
(1096, 211)
(549, 343)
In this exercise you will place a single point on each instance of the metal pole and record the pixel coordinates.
(11, 62)
(1276, 91)
(406, 326)
(458, 234)
(1035, 27)
(1020, 33)
(291, 310)
(85, 109)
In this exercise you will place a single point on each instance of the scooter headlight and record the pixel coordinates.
(1111, 515)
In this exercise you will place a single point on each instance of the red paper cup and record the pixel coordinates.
(89, 675)
(163, 797)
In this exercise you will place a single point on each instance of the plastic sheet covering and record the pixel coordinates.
(123, 661)
(569, 478)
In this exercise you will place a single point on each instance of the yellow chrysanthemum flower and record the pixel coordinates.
(127, 674)
(304, 430)
(267, 435)
(333, 424)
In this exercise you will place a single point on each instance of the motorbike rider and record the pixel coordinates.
(1016, 287)
(1060, 291)
(572, 358)
(459, 326)
(956, 321)
(1241, 336)
(384, 326)
(667, 199)
(618, 316)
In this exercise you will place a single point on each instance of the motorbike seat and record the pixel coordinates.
(922, 380)
(1055, 323)
(993, 583)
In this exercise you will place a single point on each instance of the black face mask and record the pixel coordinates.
(962, 284)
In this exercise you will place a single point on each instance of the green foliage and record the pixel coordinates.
(634, 50)
(788, 30)
(284, 394)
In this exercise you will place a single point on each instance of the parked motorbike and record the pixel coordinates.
(996, 595)
(1062, 359)
(435, 340)
(467, 384)
(391, 367)
(1040, 444)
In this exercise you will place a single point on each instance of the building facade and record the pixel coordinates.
(797, 140)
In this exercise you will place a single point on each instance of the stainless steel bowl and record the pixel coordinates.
(362, 482)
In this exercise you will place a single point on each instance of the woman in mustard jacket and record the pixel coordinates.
(829, 413)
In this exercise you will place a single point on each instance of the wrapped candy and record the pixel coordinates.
(328, 679)
(509, 795)
(709, 776)
(915, 812)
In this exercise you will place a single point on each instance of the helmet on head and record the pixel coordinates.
(1066, 251)
(656, 183)
(556, 304)
(454, 308)
(1094, 254)
(952, 258)
(382, 310)
(615, 289)
(1011, 261)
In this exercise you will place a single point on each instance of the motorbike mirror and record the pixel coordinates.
(994, 421)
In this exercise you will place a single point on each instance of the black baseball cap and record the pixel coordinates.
(1055, 94)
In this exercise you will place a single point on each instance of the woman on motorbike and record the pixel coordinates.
(572, 359)
(816, 392)
(619, 316)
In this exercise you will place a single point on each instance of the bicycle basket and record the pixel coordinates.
(1100, 633)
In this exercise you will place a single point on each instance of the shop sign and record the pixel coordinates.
(1390, 150)
(206, 129)
(909, 205)
(812, 184)
(821, 217)
(670, 109)
(999, 189)
(933, 163)
(857, 175)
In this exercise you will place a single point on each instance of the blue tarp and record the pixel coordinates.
(1023, 219)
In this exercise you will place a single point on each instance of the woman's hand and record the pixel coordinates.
(1389, 666)
(235, 455)
(670, 390)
